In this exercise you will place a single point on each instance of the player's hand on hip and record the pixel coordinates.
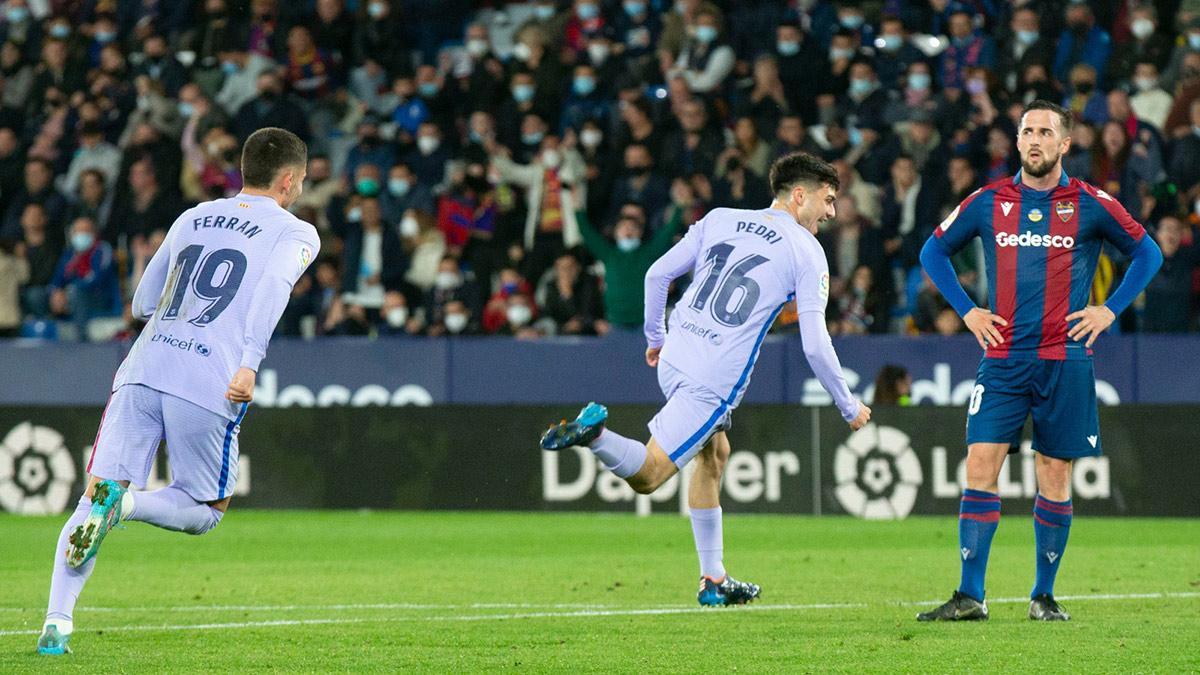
(241, 387)
(983, 325)
(864, 416)
(1093, 320)
(652, 356)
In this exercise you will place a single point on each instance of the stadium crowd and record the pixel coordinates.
(514, 169)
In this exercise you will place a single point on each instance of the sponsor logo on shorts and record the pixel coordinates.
(1031, 239)
(182, 345)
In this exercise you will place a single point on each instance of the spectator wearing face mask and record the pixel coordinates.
(450, 285)
(404, 192)
(456, 319)
(627, 258)
(1150, 102)
(1025, 45)
(677, 25)
(570, 298)
(271, 108)
(428, 159)
(425, 245)
(509, 284)
(639, 182)
(397, 318)
(706, 59)
(84, 286)
(375, 260)
(1145, 44)
(637, 28)
(1169, 295)
(519, 317)
(586, 102)
(553, 182)
(1083, 42)
(240, 71)
(895, 52)
(370, 148)
(968, 49)
(1084, 99)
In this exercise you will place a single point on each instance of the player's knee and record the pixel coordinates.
(207, 524)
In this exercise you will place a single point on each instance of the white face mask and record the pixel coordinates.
(519, 315)
(590, 137)
(409, 227)
(1145, 83)
(628, 244)
(428, 144)
(1142, 28)
(522, 52)
(551, 159)
(598, 53)
(455, 323)
(396, 316)
(477, 47)
(354, 215)
(444, 281)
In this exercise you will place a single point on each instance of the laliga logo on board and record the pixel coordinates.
(36, 471)
(877, 473)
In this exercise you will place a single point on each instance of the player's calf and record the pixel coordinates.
(171, 508)
(656, 470)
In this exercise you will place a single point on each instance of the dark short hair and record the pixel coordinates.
(1064, 115)
(269, 151)
(801, 168)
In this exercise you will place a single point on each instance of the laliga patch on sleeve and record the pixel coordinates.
(824, 287)
(305, 257)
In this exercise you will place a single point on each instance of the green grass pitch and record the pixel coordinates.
(471, 592)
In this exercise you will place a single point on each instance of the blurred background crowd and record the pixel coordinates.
(514, 169)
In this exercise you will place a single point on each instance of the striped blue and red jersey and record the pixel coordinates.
(1040, 250)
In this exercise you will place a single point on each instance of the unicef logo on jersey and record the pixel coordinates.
(181, 344)
(36, 471)
(877, 473)
(202, 349)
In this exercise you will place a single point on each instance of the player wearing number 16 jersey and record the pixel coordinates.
(211, 297)
(746, 265)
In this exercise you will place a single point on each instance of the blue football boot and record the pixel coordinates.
(582, 431)
(727, 591)
(106, 514)
(53, 643)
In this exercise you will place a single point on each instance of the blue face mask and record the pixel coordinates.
(891, 42)
(1027, 37)
(584, 85)
(919, 81)
(628, 244)
(427, 89)
(635, 8)
(706, 34)
(229, 67)
(587, 11)
(855, 137)
(105, 36)
(17, 14)
(398, 187)
(861, 87)
(532, 139)
(523, 93)
(60, 31)
(1194, 41)
(852, 21)
(788, 47)
(82, 241)
(543, 12)
(186, 109)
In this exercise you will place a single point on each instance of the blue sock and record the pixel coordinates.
(978, 518)
(1051, 525)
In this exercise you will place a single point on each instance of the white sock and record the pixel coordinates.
(64, 626)
(706, 528)
(623, 456)
(172, 509)
(66, 583)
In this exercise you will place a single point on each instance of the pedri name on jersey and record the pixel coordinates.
(225, 223)
(761, 230)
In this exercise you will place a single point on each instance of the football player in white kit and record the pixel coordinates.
(746, 265)
(211, 297)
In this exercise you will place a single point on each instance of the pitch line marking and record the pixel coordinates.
(286, 608)
(654, 611)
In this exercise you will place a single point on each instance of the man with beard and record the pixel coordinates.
(1042, 234)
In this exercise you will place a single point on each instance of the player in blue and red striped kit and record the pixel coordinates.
(1042, 232)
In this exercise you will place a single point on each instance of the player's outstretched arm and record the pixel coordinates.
(290, 257)
(672, 265)
(818, 349)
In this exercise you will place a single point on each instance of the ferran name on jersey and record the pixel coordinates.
(1065, 210)
(226, 223)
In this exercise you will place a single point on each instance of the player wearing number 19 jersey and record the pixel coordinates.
(211, 297)
(1041, 232)
(746, 265)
